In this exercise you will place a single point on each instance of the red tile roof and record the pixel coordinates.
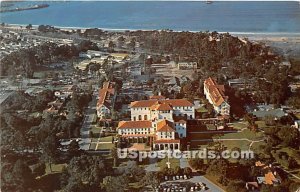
(105, 93)
(134, 124)
(269, 178)
(216, 92)
(165, 126)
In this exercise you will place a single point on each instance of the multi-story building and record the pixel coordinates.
(215, 94)
(106, 100)
(158, 120)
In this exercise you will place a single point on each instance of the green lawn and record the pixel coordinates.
(94, 139)
(297, 115)
(239, 125)
(93, 146)
(256, 147)
(201, 110)
(106, 139)
(56, 168)
(248, 134)
(243, 145)
(174, 162)
(96, 129)
(105, 146)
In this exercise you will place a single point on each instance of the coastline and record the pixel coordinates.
(283, 34)
(282, 41)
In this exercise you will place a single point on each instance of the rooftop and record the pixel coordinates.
(134, 124)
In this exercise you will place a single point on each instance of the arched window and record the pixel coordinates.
(145, 117)
(140, 117)
(134, 118)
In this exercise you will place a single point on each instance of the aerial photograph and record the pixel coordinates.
(149, 96)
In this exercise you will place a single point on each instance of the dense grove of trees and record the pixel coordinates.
(26, 61)
(224, 56)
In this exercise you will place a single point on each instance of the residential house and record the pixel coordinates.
(215, 94)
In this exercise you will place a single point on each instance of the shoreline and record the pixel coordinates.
(284, 34)
(282, 41)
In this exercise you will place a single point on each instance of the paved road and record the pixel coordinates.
(86, 125)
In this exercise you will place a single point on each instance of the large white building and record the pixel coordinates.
(106, 100)
(215, 94)
(158, 120)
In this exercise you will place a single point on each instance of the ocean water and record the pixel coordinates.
(248, 17)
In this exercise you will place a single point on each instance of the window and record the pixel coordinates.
(145, 117)
(134, 118)
(140, 117)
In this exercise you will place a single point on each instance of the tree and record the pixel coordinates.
(114, 154)
(218, 167)
(16, 177)
(90, 169)
(50, 148)
(132, 170)
(111, 45)
(292, 163)
(289, 136)
(196, 163)
(235, 186)
(29, 26)
(74, 185)
(177, 170)
(187, 171)
(113, 184)
(151, 178)
(39, 169)
(74, 149)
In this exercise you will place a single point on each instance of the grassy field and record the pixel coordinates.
(95, 129)
(106, 139)
(202, 110)
(239, 125)
(243, 145)
(298, 115)
(105, 146)
(56, 168)
(93, 146)
(248, 134)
